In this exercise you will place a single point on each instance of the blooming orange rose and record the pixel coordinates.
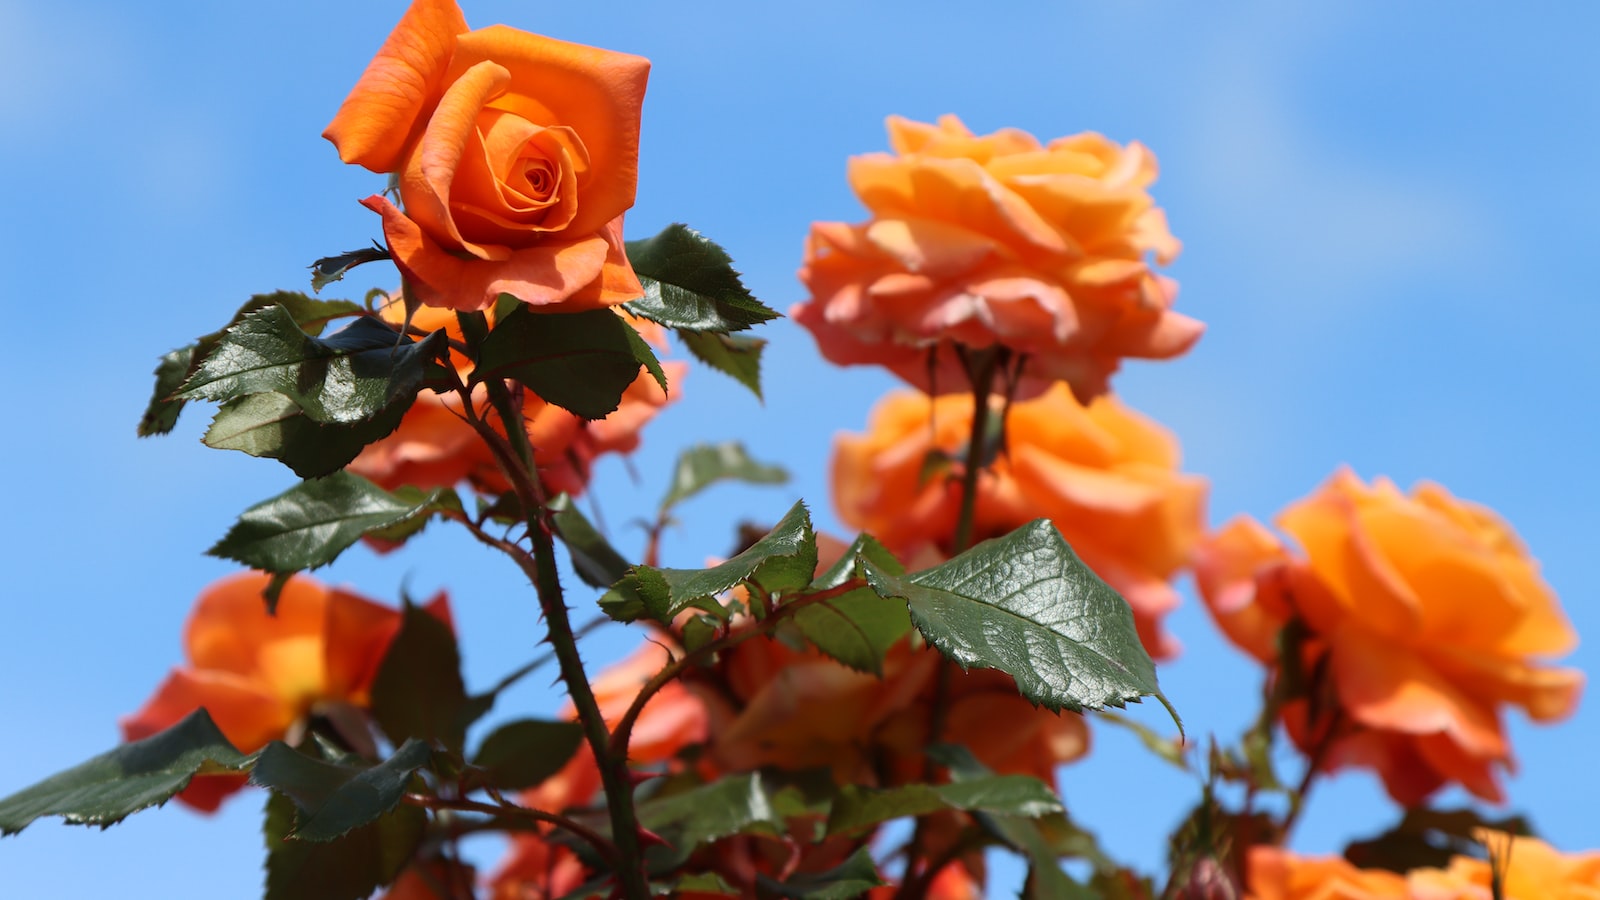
(516, 154)
(435, 447)
(1105, 475)
(258, 675)
(996, 240)
(1533, 870)
(1427, 615)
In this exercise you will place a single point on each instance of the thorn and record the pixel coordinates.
(649, 838)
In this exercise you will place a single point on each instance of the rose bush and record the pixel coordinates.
(996, 240)
(261, 675)
(516, 156)
(1105, 475)
(1426, 615)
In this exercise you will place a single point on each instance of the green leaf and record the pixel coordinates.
(857, 808)
(851, 878)
(329, 269)
(161, 414)
(1428, 838)
(418, 691)
(273, 426)
(696, 882)
(737, 804)
(781, 561)
(349, 868)
(703, 465)
(310, 524)
(734, 355)
(1026, 605)
(351, 377)
(1169, 749)
(333, 799)
(110, 787)
(690, 284)
(524, 753)
(858, 628)
(593, 557)
(1045, 881)
(581, 362)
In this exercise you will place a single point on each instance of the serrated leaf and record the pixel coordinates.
(110, 787)
(310, 524)
(418, 692)
(333, 799)
(783, 560)
(329, 269)
(273, 426)
(524, 753)
(690, 284)
(857, 808)
(593, 558)
(352, 376)
(734, 355)
(858, 628)
(161, 413)
(581, 362)
(851, 878)
(737, 804)
(703, 465)
(349, 868)
(1026, 605)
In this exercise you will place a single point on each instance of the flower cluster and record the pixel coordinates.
(1528, 869)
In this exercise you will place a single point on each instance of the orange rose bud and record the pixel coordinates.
(1427, 614)
(996, 240)
(517, 156)
(1105, 475)
(258, 675)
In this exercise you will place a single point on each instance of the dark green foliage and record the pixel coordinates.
(851, 878)
(581, 362)
(349, 868)
(524, 753)
(418, 692)
(858, 628)
(1017, 795)
(703, 465)
(735, 355)
(334, 798)
(690, 284)
(329, 269)
(593, 558)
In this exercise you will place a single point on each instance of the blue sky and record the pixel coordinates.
(1386, 211)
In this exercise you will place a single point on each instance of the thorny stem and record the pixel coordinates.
(519, 467)
(982, 367)
(1319, 752)
(530, 818)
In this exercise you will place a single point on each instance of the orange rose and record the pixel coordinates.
(516, 155)
(1426, 614)
(259, 675)
(996, 240)
(1276, 874)
(1105, 475)
(435, 447)
(1533, 871)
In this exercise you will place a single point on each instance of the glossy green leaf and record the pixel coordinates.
(690, 284)
(858, 628)
(310, 524)
(857, 808)
(581, 362)
(161, 413)
(349, 377)
(349, 868)
(332, 798)
(593, 558)
(524, 753)
(418, 691)
(737, 804)
(1026, 605)
(273, 426)
(329, 269)
(783, 560)
(734, 355)
(703, 465)
(110, 787)
(850, 879)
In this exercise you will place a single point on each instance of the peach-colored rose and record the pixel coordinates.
(996, 240)
(435, 447)
(1427, 615)
(258, 675)
(1105, 475)
(516, 155)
